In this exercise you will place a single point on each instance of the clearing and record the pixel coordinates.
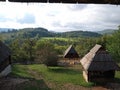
(40, 77)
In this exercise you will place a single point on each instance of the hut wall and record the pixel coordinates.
(5, 67)
(97, 76)
(6, 71)
(85, 75)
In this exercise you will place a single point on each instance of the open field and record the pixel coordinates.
(40, 77)
(53, 74)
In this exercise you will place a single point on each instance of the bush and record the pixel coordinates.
(51, 59)
(45, 53)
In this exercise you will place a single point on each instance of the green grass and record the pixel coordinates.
(117, 77)
(58, 75)
(20, 71)
(58, 38)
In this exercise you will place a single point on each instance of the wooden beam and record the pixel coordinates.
(2, 0)
(116, 2)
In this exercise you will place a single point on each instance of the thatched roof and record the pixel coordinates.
(117, 2)
(98, 59)
(71, 52)
(2, 0)
(4, 51)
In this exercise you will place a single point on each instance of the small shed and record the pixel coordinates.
(98, 65)
(5, 60)
(71, 53)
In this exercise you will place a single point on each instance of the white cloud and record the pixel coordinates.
(61, 17)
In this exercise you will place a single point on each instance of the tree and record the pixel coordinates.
(45, 53)
(28, 48)
(113, 45)
(22, 51)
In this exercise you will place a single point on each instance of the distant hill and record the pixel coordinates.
(42, 32)
(79, 34)
(106, 31)
(5, 29)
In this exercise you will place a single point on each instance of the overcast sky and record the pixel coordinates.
(59, 17)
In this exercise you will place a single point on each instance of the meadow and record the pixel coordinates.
(42, 77)
(58, 76)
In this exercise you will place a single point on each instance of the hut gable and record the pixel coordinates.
(71, 53)
(5, 60)
(98, 59)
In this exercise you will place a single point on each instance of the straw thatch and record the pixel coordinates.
(98, 59)
(4, 52)
(71, 53)
(2, 0)
(117, 2)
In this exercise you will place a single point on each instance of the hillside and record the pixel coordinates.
(42, 32)
(79, 34)
(106, 31)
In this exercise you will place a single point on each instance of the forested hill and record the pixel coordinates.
(79, 34)
(42, 32)
(107, 31)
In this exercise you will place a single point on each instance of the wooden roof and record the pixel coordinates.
(117, 2)
(71, 52)
(98, 59)
(4, 51)
(2, 0)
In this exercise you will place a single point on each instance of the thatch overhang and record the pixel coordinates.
(2, 0)
(71, 52)
(4, 52)
(116, 2)
(98, 59)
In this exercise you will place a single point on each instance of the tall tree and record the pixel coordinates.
(45, 53)
(113, 45)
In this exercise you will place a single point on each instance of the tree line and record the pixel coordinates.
(40, 50)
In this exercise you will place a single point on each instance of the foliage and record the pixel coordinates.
(113, 45)
(45, 53)
(37, 33)
(22, 50)
(79, 34)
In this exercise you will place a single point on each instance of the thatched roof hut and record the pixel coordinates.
(5, 60)
(117, 2)
(71, 52)
(98, 64)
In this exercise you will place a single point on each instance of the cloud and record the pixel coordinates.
(27, 19)
(77, 7)
(60, 17)
(2, 18)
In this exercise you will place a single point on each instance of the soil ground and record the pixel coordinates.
(12, 83)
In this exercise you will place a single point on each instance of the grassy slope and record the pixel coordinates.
(53, 74)
(40, 75)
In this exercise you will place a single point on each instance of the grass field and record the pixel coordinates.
(56, 38)
(55, 75)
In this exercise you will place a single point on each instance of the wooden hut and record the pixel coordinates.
(5, 60)
(71, 56)
(98, 65)
(71, 53)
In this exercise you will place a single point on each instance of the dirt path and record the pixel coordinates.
(35, 74)
(9, 83)
(63, 86)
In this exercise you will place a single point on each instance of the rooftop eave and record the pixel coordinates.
(114, 2)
